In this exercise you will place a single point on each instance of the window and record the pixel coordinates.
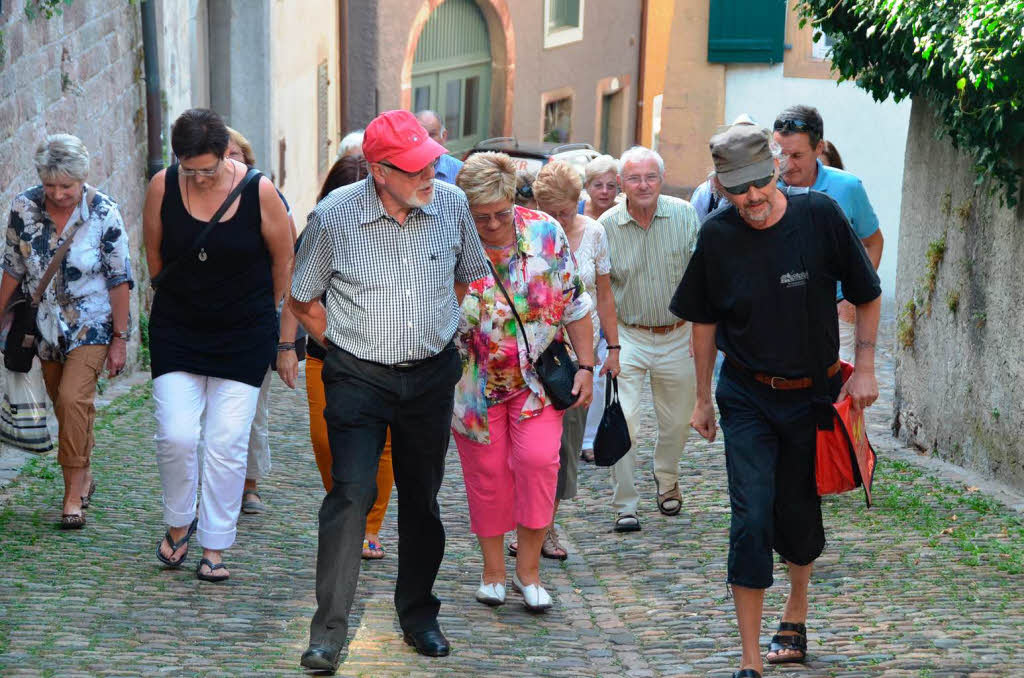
(746, 31)
(558, 120)
(563, 22)
(822, 49)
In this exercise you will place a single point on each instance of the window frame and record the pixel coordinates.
(562, 36)
(557, 95)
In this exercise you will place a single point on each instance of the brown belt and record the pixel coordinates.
(657, 329)
(783, 383)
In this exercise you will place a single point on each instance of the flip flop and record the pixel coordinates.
(175, 545)
(87, 498)
(376, 551)
(213, 568)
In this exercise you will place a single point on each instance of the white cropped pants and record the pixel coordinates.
(186, 404)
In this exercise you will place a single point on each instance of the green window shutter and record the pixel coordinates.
(746, 31)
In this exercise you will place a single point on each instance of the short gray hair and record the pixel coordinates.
(62, 155)
(602, 164)
(639, 154)
(353, 141)
(425, 112)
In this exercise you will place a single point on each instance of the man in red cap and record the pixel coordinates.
(394, 254)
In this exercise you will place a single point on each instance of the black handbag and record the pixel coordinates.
(611, 442)
(555, 369)
(23, 336)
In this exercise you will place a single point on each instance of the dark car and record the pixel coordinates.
(532, 156)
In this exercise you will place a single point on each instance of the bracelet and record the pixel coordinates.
(286, 346)
(612, 347)
(588, 368)
(119, 335)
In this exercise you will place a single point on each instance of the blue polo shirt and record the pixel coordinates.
(847, 190)
(447, 167)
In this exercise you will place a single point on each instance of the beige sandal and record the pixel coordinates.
(552, 548)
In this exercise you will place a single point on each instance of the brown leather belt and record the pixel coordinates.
(657, 329)
(783, 383)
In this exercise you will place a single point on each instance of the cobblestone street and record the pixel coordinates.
(929, 582)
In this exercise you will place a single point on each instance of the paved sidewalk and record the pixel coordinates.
(928, 583)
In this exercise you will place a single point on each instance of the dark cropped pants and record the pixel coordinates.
(769, 453)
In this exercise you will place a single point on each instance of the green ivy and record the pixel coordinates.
(46, 8)
(965, 57)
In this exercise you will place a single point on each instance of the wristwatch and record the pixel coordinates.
(119, 335)
(588, 368)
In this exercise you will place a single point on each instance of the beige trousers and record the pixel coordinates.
(666, 358)
(71, 386)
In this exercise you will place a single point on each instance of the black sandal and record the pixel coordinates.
(213, 568)
(746, 673)
(789, 643)
(175, 545)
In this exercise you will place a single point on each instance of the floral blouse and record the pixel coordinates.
(548, 294)
(75, 309)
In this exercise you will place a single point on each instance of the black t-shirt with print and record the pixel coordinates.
(753, 283)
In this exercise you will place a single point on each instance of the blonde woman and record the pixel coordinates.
(557, 190)
(506, 431)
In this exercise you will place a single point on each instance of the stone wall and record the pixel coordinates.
(959, 376)
(80, 73)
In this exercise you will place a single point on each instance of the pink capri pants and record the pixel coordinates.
(512, 480)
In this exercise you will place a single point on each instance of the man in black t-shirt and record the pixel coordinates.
(761, 286)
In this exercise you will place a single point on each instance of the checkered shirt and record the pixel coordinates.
(390, 288)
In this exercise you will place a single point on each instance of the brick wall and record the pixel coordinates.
(80, 73)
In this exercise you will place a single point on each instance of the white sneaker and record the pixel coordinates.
(535, 598)
(490, 594)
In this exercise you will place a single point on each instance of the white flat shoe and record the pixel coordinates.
(491, 594)
(535, 598)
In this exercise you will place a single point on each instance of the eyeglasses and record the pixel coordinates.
(199, 172)
(419, 174)
(500, 217)
(636, 179)
(794, 125)
(744, 187)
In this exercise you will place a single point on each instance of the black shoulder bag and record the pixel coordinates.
(611, 442)
(554, 367)
(197, 244)
(23, 337)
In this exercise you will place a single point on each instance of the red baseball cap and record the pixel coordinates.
(399, 138)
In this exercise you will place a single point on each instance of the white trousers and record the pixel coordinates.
(596, 409)
(847, 340)
(258, 464)
(185, 403)
(666, 358)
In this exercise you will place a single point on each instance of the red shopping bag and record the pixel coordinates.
(844, 459)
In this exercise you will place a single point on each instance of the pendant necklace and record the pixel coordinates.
(202, 256)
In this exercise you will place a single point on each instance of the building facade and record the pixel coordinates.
(708, 62)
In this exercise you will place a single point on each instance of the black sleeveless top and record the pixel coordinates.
(216, 317)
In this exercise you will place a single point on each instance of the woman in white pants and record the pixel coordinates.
(212, 329)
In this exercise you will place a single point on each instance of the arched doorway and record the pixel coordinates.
(451, 72)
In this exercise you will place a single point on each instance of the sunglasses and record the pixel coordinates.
(794, 125)
(525, 191)
(756, 183)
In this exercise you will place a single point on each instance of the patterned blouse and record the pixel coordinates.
(591, 261)
(548, 294)
(75, 309)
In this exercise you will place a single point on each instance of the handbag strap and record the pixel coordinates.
(612, 384)
(511, 305)
(203, 234)
(60, 254)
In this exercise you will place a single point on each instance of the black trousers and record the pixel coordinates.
(769, 456)
(363, 400)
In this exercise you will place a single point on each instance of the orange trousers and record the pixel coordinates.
(322, 448)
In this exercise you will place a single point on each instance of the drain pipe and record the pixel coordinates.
(154, 121)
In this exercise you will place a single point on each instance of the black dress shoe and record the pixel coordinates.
(320, 658)
(430, 642)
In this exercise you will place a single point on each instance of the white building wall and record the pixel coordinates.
(184, 64)
(871, 137)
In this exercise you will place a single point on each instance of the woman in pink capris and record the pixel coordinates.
(507, 434)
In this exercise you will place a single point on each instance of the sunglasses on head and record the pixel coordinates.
(793, 125)
(525, 191)
(740, 189)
